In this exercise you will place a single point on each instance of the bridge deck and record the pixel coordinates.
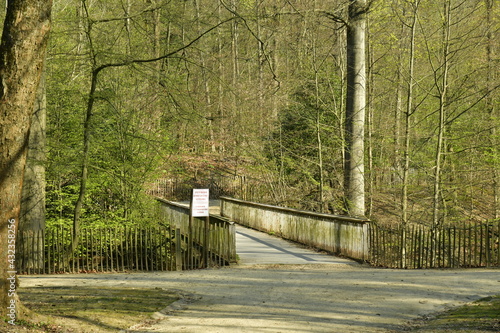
(258, 248)
(255, 248)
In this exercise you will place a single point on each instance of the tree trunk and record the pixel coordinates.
(86, 139)
(32, 219)
(206, 84)
(369, 126)
(319, 142)
(355, 109)
(490, 104)
(442, 88)
(221, 124)
(22, 50)
(87, 128)
(236, 117)
(408, 114)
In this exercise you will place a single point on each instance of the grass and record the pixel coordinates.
(476, 317)
(88, 309)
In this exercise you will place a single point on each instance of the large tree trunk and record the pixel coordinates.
(22, 50)
(32, 219)
(355, 109)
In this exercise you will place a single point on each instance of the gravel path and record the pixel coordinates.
(303, 292)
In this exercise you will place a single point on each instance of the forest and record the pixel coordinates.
(249, 97)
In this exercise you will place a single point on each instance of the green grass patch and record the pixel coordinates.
(95, 309)
(476, 317)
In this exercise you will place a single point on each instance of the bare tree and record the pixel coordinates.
(441, 83)
(407, 115)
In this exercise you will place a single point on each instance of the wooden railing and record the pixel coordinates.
(99, 250)
(418, 246)
(218, 242)
(218, 184)
(336, 234)
(118, 249)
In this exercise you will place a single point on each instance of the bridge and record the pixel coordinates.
(467, 244)
(181, 243)
(282, 286)
(278, 285)
(306, 233)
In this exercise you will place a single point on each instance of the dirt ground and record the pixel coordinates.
(295, 298)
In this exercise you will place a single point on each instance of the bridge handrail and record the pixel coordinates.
(343, 235)
(295, 211)
(222, 235)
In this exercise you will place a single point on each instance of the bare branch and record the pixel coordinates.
(335, 18)
(167, 55)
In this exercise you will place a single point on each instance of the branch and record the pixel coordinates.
(486, 94)
(356, 9)
(167, 55)
(335, 18)
(360, 10)
(150, 8)
(236, 15)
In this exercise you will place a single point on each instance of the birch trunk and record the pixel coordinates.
(355, 109)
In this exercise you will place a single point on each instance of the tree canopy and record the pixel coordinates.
(256, 90)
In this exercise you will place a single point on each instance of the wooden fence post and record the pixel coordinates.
(205, 241)
(178, 250)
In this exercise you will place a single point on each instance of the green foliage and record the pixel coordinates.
(256, 94)
(310, 126)
(128, 141)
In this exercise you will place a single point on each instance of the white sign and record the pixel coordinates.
(200, 203)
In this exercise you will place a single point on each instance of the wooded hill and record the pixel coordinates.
(145, 90)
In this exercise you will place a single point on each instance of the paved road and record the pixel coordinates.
(255, 248)
(286, 288)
